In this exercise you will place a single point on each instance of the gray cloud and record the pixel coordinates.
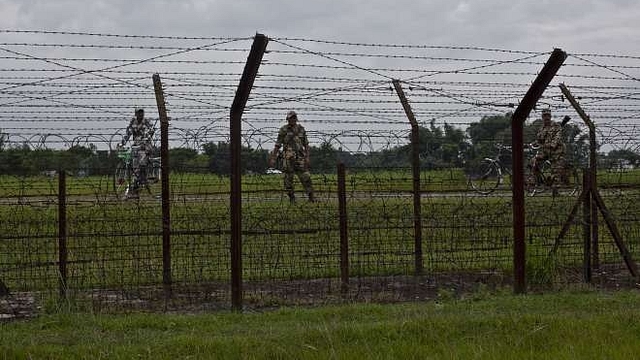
(590, 26)
(593, 25)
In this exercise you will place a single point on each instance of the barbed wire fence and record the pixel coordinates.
(63, 91)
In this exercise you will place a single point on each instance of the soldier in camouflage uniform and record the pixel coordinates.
(293, 138)
(141, 130)
(552, 148)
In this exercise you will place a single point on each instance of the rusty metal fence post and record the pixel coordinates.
(62, 232)
(344, 235)
(164, 175)
(587, 207)
(415, 165)
(595, 199)
(518, 118)
(593, 171)
(235, 128)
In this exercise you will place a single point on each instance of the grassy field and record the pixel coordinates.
(118, 244)
(570, 325)
(109, 242)
(396, 180)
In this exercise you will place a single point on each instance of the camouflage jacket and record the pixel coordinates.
(141, 132)
(293, 139)
(550, 138)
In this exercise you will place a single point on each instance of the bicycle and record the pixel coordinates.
(487, 176)
(541, 179)
(492, 172)
(125, 182)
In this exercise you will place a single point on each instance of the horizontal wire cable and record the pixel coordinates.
(311, 76)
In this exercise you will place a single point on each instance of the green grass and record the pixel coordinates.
(114, 244)
(576, 325)
(189, 183)
(398, 180)
(118, 244)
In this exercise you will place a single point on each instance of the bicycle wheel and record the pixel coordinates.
(574, 181)
(537, 183)
(122, 180)
(153, 176)
(486, 178)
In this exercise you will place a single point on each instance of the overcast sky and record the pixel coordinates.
(530, 28)
(600, 26)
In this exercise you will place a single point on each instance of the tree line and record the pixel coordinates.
(440, 147)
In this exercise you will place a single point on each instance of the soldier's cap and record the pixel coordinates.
(292, 114)
(546, 112)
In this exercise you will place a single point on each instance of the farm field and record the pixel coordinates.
(115, 244)
(399, 180)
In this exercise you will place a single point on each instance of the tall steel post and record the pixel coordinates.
(517, 143)
(415, 165)
(235, 125)
(164, 175)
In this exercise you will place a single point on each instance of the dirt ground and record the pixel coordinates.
(261, 296)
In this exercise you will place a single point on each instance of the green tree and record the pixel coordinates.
(323, 158)
(219, 161)
(78, 159)
(3, 140)
(454, 146)
(442, 147)
(253, 161)
(484, 134)
(619, 158)
(13, 161)
(181, 159)
(439, 147)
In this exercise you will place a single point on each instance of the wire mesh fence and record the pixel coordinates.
(87, 241)
(292, 251)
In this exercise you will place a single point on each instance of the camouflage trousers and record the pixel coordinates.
(298, 167)
(139, 164)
